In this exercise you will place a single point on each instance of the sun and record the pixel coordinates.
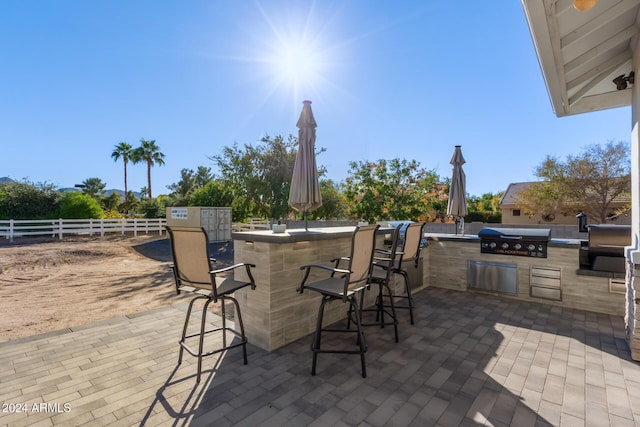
(296, 51)
(296, 63)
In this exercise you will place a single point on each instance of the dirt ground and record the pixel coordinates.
(50, 284)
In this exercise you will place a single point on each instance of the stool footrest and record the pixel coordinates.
(218, 350)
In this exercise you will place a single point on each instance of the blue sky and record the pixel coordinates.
(406, 79)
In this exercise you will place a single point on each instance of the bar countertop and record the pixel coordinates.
(326, 233)
(298, 234)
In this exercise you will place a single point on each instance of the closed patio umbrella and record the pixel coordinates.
(304, 195)
(457, 206)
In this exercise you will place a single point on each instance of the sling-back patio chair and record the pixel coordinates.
(344, 284)
(384, 261)
(193, 272)
(381, 273)
(407, 255)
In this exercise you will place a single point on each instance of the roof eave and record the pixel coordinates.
(540, 34)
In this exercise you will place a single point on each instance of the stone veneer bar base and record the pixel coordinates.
(275, 314)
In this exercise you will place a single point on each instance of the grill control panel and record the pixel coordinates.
(514, 247)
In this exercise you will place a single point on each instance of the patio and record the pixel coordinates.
(470, 359)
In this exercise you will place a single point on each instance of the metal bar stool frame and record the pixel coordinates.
(383, 270)
(193, 272)
(409, 254)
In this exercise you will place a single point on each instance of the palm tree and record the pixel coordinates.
(150, 153)
(124, 151)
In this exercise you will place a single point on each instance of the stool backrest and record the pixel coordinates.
(362, 246)
(190, 250)
(413, 241)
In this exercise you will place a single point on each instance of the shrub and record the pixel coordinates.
(76, 205)
(484, 216)
(151, 209)
(112, 214)
(25, 200)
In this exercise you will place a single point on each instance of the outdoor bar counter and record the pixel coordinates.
(275, 314)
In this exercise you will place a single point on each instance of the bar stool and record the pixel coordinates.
(384, 262)
(408, 256)
(344, 285)
(192, 270)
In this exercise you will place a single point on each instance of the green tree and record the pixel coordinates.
(334, 205)
(123, 151)
(111, 202)
(149, 153)
(181, 190)
(76, 205)
(484, 208)
(214, 193)
(588, 182)
(389, 189)
(189, 182)
(144, 193)
(132, 201)
(163, 201)
(94, 187)
(26, 200)
(259, 176)
(434, 197)
(202, 177)
(151, 208)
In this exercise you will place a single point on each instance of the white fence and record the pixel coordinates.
(59, 227)
(253, 224)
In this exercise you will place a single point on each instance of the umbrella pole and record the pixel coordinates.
(305, 214)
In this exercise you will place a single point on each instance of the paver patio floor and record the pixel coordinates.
(470, 359)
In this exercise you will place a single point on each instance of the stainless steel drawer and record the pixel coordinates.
(546, 293)
(546, 282)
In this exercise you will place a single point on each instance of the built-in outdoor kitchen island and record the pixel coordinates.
(459, 263)
(275, 314)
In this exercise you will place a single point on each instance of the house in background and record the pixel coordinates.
(512, 214)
